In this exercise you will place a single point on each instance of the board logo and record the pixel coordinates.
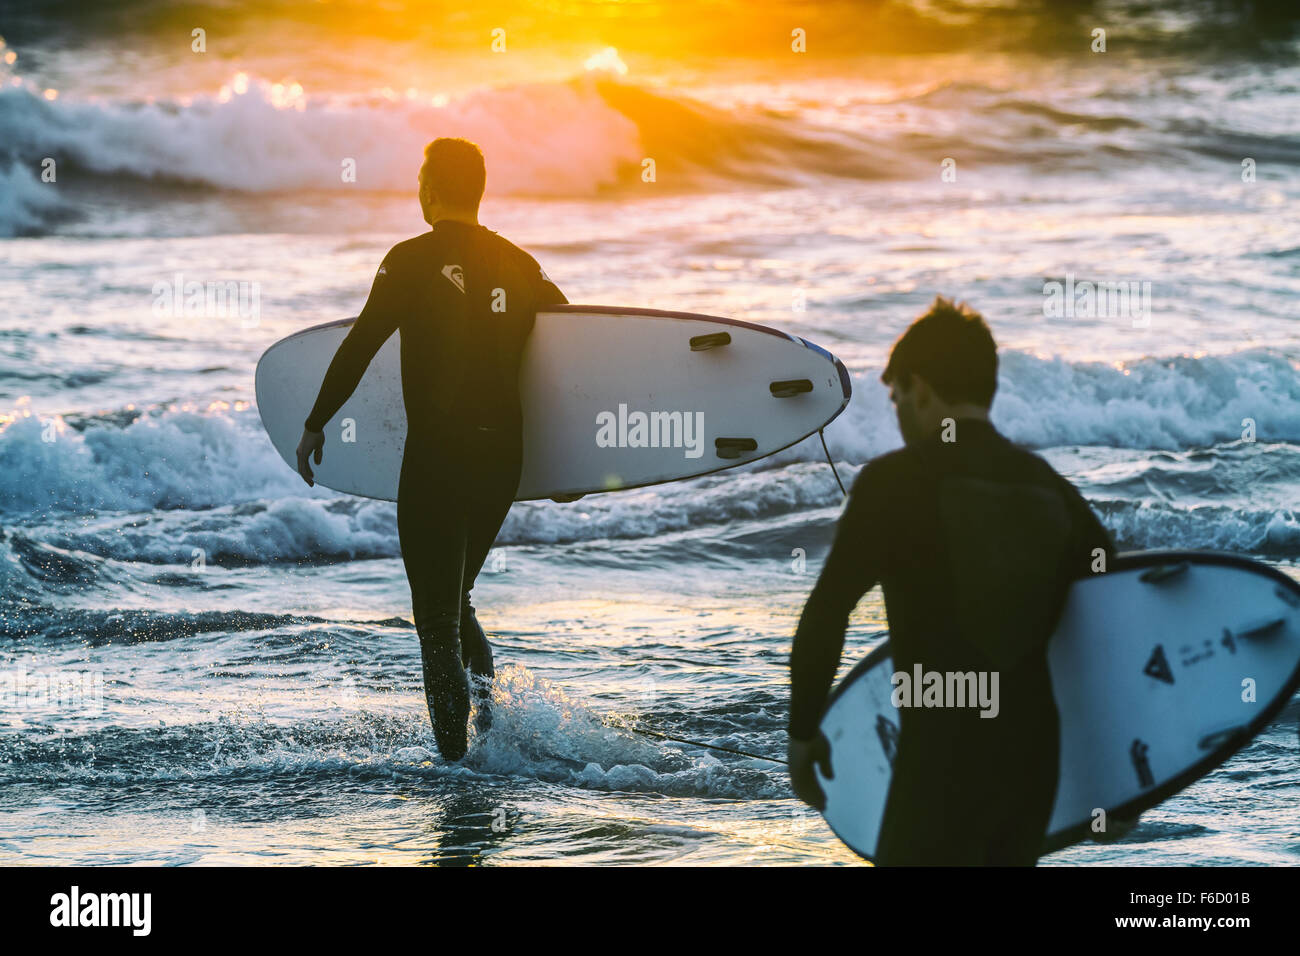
(1138, 753)
(887, 731)
(1158, 666)
(455, 275)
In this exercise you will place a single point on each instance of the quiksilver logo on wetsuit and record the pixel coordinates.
(626, 429)
(456, 275)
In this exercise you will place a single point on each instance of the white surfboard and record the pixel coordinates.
(612, 398)
(1148, 668)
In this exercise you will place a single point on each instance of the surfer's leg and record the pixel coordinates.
(484, 521)
(481, 526)
(476, 654)
(932, 816)
(497, 471)
(432, 534)
(475, 651)
(912, 824)
(1018, 839)
(1030, 774)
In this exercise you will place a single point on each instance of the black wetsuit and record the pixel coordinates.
(465, 300)
(975, 542)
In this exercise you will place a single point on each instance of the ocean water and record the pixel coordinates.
(248, 686)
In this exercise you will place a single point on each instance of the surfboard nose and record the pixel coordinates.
(846, 383)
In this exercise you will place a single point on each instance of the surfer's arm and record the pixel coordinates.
(545, 292)
(852, 568)
(550, 294)
(1088, 534)
(378, 320)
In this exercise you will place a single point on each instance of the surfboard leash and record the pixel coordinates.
(821, 433)
(659, 735)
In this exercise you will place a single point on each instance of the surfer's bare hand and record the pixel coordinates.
(310, 442)
(803, 756)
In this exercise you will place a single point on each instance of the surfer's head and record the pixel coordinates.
(944, 366)
(451, 180)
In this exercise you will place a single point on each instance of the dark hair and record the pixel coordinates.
(950, 347)
(454, 170)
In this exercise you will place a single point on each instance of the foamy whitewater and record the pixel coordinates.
(248, 670)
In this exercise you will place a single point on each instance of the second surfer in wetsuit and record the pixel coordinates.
(975, 542)
(465, 300)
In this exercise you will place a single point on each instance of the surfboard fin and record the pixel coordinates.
(734, 447)
(702, 343)
(790, 388)
(1259, 628)
(1215, 740)
(1163, 572)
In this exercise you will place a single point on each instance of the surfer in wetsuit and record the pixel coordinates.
(975, 542)
(465, 300)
